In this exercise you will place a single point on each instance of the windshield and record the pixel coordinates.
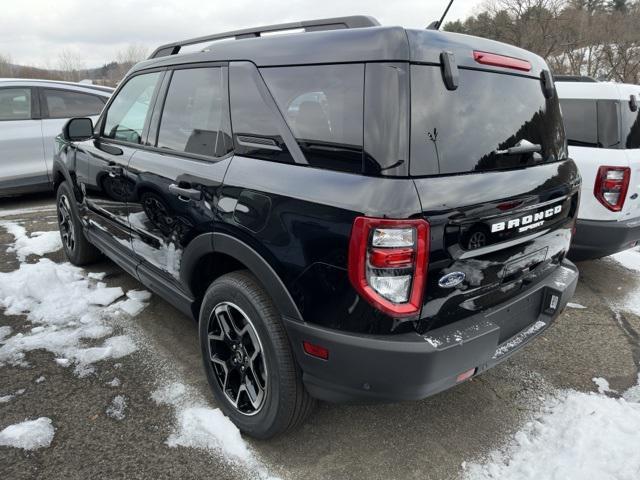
(491, 121)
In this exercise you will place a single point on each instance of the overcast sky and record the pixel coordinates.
(35, 31)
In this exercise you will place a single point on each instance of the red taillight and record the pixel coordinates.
(391, 257)
(611, 186)
(496, 60)
(388, 262)
(315, 350)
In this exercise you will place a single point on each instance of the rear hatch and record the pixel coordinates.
(489, 161)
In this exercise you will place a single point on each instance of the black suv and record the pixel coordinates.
(352, 212)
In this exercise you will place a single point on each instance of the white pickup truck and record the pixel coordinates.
(602, 125)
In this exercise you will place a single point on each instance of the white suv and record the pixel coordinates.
(602, 124)
(32, 114)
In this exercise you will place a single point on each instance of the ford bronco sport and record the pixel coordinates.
(602, 125)
(351, 211)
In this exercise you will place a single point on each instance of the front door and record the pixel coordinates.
(177, 177)
(103, 162)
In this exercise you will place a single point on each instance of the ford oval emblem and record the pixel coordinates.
(452, 279)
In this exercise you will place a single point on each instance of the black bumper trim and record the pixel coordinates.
(412, 366)
(596, 239)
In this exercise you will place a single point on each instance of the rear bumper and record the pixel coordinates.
(412, 366)
(596, 239)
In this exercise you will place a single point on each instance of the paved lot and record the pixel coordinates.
(418, 440)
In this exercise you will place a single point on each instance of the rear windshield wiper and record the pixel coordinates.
(523, 146)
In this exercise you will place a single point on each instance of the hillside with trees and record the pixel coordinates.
(598, 38)
(70, 67)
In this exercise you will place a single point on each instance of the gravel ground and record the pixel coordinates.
(417, 440)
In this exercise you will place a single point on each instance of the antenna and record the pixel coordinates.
(435, 25)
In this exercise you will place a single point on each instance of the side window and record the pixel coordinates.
(128, 112)
(323, 106)
(256, 132)
(15, 104)
(580, 122)
(65, 104)
(195, 114)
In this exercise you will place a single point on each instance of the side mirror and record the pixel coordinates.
(77, 129)
(633, 103)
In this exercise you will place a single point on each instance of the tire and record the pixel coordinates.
(75, 245)
(283, 404)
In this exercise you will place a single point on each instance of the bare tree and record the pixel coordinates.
(6, 69)
(71, 65)
(127, 58)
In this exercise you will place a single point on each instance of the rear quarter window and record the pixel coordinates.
(323, 106)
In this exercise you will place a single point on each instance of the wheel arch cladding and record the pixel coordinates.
(211, 255)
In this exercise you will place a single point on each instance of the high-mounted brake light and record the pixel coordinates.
(388, 262)
(496, 60)
(611, 186)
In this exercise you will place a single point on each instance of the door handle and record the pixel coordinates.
(115, 171)
(185, 193)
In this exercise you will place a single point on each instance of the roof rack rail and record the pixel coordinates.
(574, 78)
(356, 21)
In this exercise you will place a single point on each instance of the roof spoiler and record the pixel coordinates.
(337, 23)
(574, 78)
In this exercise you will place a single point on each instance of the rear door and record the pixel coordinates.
(176, 177)
(495, 183)
(631, 143)
(22, 154)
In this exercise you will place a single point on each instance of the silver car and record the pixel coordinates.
(32, 113)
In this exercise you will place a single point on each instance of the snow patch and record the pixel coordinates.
(577, 435)
(67, 309)
(603, 385)
(202, 427)
(38, 243)
(576, 306)
(116, 409)
(629, 259)
(28, 435)
(5, 331)
(633, 394)
(40, 379)
(208, 428)
(115, 382)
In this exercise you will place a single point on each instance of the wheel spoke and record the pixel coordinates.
(226, 324)
(254, 394)
(225, 368)
(237, 358)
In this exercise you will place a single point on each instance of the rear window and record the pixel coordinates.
(323, 106)
(470, 129)
(66, 104)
